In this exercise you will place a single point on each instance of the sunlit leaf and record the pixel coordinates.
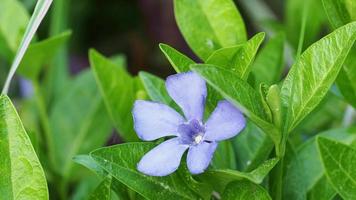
(311, 76)
(22, 176)
(220, 24)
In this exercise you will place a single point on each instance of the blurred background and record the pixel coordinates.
(134, 28)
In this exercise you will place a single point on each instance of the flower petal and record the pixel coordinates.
(163, 159)
(154, 120)
(225, 122)
(189, 91)
(199, 156)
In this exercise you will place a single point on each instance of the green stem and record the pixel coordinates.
(44, 121)
(276, 180)
(302, 30)
(59, 72)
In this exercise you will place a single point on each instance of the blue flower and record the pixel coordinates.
(154, 120)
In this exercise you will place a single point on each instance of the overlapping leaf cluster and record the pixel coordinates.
(281, 154)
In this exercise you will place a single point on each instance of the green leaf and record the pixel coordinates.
(313, 73)
(322, 190)
(179, 61)
(39, 13)
(294, 10)
(252, 147)
(41, 53)
(119, 90)
(339, 161)
(156, 88)
(209, 16)
(90, 163)
(74, 122)
(237, 58)
(13, 21)
(219, 178)
(224, 156)
(238, 92)
(305, 170)
(22, 176)
(245, 190)
(339, 12)
(347, 76)
(102, 191)
(121, 161)
(268, 64)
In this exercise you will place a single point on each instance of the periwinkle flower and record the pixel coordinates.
(154, 120)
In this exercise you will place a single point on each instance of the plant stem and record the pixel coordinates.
(44, 121)
(276, 180)
(302, 30)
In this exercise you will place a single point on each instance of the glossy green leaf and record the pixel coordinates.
(238, 58)
(41, 53)
(339, 12)
(119, 90)
(314, 72)
(268, 64)
(219, 178)
(102, 191)
(22, 176)
(156, 88)
(90, 163)
(74, 122)
(305, 170)
(220, 24)
(339, 161)
(121, 161)
(179, 61)
(238, 92)
(242, 190)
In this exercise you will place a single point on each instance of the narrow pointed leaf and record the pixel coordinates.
(238, 58)
(22, 176)
(39, 13)
(41, 53)
(156, 88)
(119, 90)
(311, 76)
(209, 15)
(179, 61)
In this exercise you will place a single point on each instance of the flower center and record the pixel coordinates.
(198, 138)
(191, 133)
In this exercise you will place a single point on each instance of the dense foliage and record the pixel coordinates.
(296, 89)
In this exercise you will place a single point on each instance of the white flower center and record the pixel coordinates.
(198, 138)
